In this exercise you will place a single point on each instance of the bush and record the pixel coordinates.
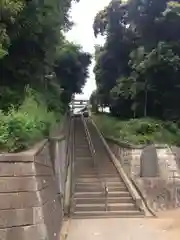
(20, 129)
(139, 131)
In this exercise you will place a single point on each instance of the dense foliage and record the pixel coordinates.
(138, 68)
(138, 131)
(71, 69)
(21, 128)
(33, 47)
(34, 53)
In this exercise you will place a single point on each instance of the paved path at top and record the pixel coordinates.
(116, 229)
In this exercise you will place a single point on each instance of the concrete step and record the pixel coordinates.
(101, 200)
(89, 197)
(78, 174)
(108, 170)
(99, 188)
(80, 179)
(81, 140)
(100, 194)
(104, 214)
(81, 145)
(108, 184)
(86, 168)
(85, 158)
(82, 149)
(83, 154)
(101, 175)
(101, 207)
(90, 174)
(80, 158)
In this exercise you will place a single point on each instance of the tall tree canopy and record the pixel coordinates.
(71, 68)
(137, 70)
(34, 51)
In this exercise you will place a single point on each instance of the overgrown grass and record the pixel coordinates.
(138, 131)
(20, 129)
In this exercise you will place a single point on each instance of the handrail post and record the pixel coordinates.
(106, 196)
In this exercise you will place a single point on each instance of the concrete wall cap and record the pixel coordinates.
(133, 146)
(25, 156)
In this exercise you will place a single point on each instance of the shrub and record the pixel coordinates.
(21, 128)
(139, 131)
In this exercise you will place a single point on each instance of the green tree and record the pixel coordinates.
(71, 68)
(33, 46)
(137, 69)
(10, 10)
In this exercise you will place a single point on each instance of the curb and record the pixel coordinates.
(65, 229)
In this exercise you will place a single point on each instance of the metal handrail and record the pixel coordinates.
(68, 167)
(72, 165)
(90, 143)
(96, 166)
(68, 149)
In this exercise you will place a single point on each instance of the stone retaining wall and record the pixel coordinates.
(30, 207)
(162, 191)
(159, 194)
(130, 159)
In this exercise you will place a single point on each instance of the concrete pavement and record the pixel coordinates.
(115, 229)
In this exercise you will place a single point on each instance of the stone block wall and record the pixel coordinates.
(29, 196)
(161, 192)
(128, 157)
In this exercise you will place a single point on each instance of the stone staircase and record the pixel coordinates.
(89, 198)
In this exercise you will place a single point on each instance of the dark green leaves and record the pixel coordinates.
(138, 67)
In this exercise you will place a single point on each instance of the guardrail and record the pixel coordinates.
(72, 164)
(68, 150)
(96, 165)
(176, 188)
(68, 168)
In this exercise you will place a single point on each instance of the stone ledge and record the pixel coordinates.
(58, 138)
(25, 233)
(30, 154)
(25, 156)
(132, 146)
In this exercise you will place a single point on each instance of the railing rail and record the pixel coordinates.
(68, 168)
(72, 164)
(96, 165)
(68, 149)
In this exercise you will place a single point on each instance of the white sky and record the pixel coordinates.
(83, 14)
